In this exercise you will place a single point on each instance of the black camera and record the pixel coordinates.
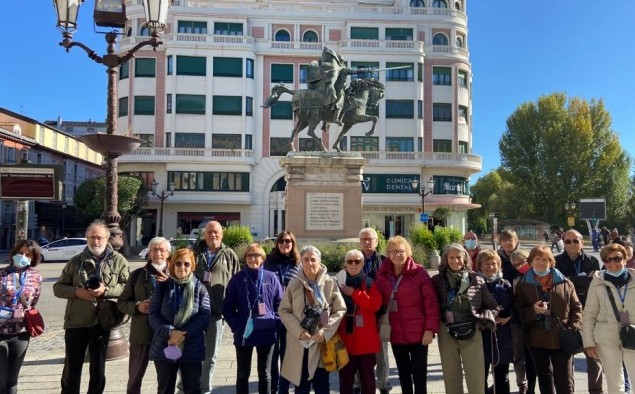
(93, 282)
(311, 318)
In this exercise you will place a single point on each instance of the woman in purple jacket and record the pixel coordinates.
(250, 308)
(409, 298)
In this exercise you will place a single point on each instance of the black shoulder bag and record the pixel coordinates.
(570, 338)
(627, 332)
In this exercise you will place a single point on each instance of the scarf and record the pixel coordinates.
(187, 301)
(544, 281)
(356, 283)
(458, 280)
(491, 279)
(618, 281)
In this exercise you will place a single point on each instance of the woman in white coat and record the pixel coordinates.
(601, 334)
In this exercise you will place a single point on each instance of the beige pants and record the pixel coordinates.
(611, 356)
(458, 356)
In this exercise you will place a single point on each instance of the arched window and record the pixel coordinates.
(417, 3)
(458, 6)
(459, 42)
(310, 36)
(439, 4)
(282, 35)
(145, 31)
(439, 39)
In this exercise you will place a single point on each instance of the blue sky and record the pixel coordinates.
(519, 51)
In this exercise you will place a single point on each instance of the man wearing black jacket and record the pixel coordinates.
(577, 266)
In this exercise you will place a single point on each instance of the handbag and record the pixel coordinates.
(384, 320)
(334, 354)
(108, 314)
(627, 332)
(34, 322)
(462, 331)
(570, 339)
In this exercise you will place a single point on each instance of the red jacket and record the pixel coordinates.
(417, 305)
(363, 340)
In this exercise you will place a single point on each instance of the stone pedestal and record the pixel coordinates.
(324, 194)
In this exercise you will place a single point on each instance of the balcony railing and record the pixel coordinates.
(219, 39)
(203, 154)
(471, 160)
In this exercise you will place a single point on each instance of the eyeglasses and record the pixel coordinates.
(97, 238)
(356, 261)
(616, 259)
(159, 250)
(185, 264)
(572, 241)
(367, 239)
(285, 241)
(400, 251)
(253, 256)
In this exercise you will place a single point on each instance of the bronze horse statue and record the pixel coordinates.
(309, 110)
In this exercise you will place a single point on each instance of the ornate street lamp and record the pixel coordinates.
(422, 192)
(163, 196)
(111, 13)
(570, 209)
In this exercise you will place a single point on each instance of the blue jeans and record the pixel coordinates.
(320, 381)
(12, 352)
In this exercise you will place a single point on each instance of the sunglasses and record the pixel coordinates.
(253, 256)
(285, 241)
(356, 261)
(185, 264)
(572, 241)
(616, 259)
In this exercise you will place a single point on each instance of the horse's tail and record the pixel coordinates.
(276, 92)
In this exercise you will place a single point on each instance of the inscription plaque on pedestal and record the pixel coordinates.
(325, 211)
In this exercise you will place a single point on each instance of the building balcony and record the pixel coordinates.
(212, 40)
(450, 50)
(195, 155)
(432, 159)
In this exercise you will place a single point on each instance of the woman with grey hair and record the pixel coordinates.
(311, 310)
(467, 307)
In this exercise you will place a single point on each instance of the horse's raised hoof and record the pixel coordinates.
(337, 148)
(369, 133)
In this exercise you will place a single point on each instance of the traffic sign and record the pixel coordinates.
(423, 217)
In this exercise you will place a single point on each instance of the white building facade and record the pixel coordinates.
(197, 99)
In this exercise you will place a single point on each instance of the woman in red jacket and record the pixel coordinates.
(359, 327)
(409, 298)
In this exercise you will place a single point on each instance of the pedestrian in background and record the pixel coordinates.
(20, 291)
(284, 261)
(179, 315)
(470, 242)
(509, 243)
(135, 302)
(250, 308)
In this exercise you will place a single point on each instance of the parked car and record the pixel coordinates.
(176, 243)
(42, 241)
(63, 249)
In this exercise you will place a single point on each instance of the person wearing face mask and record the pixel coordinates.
(470, 241)
(21, 286)
(601, 334)
(97, 273)
(542, 295)
(135, 302)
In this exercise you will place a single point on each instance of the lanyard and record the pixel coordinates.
(176, 303)
(577, 267)
(622, 295)
(257, 286)
(210, 258)
(17, 279)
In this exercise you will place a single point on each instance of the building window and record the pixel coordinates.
(398, 34)
(417, 3)
(228, 67)
(419, 144)
(463, 147)
(210, 181)
(459, 42)
(190, 104)
(148, 139)
(420, 72)
(249, 106)
(145, 67)
(227, 105)
(146, 177)
(399, 144)
(463, 115)
(192, 27)
(144, 105)
(189, 140)
(310, 36)
(441, 112)
(249, 68)
(420, 109)
(442, 76)
(123, 106)
(439, 4)
(309, 145)
(462, 79)
(168, 103)
(282, 110)
(226, 141)
(440, 39)
(399, 109)
(364, 144)
(191, 65)
(364, 33)
(402, 74)
(442, 145)
(249, 141)
(374, 65)
(228, 29)
(304, 72)
(168, 140)
(278, 146)
(282, 35)
(282, 73)
(124, 70)
(144, 31)
(170, 65)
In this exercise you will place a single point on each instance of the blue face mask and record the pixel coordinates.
(615, 274)
(541, 273)
(249, 328)
(470, 244)
(21, 261)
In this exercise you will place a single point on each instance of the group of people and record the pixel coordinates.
(487, 309)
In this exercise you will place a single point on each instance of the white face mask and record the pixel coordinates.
(160, 267)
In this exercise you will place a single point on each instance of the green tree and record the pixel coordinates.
(558, 150)
(441, 215)
(237, 235)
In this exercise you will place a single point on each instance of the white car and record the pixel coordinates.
(174, 242)
(63, 249)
